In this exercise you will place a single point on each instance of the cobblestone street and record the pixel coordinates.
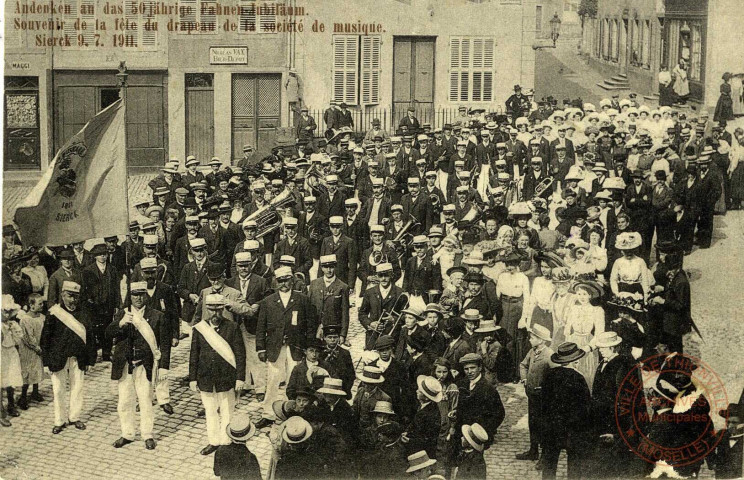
(29, 450)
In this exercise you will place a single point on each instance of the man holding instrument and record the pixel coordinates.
(138, 333)
(377, 304)
(217, 369)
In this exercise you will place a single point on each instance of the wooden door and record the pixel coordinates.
(75, 106)
(200, 116)
(413, 79)
(256, 112)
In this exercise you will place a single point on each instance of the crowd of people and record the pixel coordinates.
(478, 255)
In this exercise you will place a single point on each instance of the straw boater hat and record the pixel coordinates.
(283, 409)
(475, 435)
(332, 386)
(471, 315)
(371, 374)
(240, 428)
(567, 352)
(296, 430)
(487, 326)
(430, 387)
(607, 339)
(541, 332)
(382, 406)
(418, 461)
(628, 241)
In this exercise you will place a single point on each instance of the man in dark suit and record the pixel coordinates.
(337, 360)
(344, 249)
(116, 256)
(421, 274)
(423, 432)
(417, 205)
(231, 235)
(533, 178)
(565, 143)
(139, 333)
(163, 297)
(675, 309)
(396, 383)
(68, 350)
(354, 225)
(294, 246)
(83, 257)
(638, 201)
(709, 193)
(193, 278)
(331, 204)
(479, 400)
(305, 126)
(567, 423)
(286, 320)
(330, 118)
(377, 207)
(410, 121)
(66, 272)
(253, 289)
(216, 369)
(377, 303)
(330, 297)
(380, 249)
(312, 226)
(343, 117)
(683, 225)
(102, 295)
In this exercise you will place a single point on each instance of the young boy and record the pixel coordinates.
(30, 350)
(235, 460)
(471, 464)
(368, 394)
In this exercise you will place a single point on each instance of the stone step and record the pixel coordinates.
(604, 85)
(620, 79)
(623, 76)
(618, 83)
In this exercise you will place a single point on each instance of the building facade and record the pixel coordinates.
(568, 13)
(639, 38)
(214, 76)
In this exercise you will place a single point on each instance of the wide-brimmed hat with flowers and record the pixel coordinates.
(628, 241)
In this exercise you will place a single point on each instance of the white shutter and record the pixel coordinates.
(188, 10)
(88, 15)
(69, 21)
(371, 69)
(207, 16)
(345, 68)
(489, 47)
(267, 18)
(454, 69)
(149, 36)
(247, 16)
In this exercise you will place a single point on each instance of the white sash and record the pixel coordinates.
(217, 343)
(70, 321)
(144, 328)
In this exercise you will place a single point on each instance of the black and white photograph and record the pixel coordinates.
(372, 240)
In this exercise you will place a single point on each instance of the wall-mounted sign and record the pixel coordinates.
(228, 55)
(20, 65)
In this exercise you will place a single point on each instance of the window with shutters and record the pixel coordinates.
(257, 17)
(197, 17)
(80, 11)
(139, 12)
(471, 69)
(356, 69)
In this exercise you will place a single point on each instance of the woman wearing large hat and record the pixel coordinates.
(585, 321)
(630, 272)
(537, 310)
(513, 289)
(629, 325)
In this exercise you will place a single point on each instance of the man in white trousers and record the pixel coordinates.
(138, 333)
(68, 350)
(286, 320)
(216, 369)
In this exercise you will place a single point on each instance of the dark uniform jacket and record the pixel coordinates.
(192, 281)
(292, 325)
(422, 278)
(58, 343)
(332, 303)
(420, 209)
(346, 257)
(318, 224)
(101, 290)
(165, 300)
(208, 368)
(372, 309)
(338, 362)
(130, 345)
(366, 269)
(258, 289)
(480, 405)
(300, 250)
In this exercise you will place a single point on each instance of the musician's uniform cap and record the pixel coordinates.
(215, 301)
(450, 207)
(377, 229)
(242, 258)
(422, 138)
(328, 259)
(336, 221)
(287, 260)
(310, 199)
(197, 243)
(390, 155)
(536, 160)
(277, 182)
(192, 219)
(249, 223)
(414, 180)
(283, 273)
(501, 145)
(463, 189)
(431, 173)
(289, 221)
(149, 240)
(421, 161)
(72, 287)
(139, 287)
(500, 161)
(383, 268)
(420, 239)
(377, 181)
(462, 143)
(251, 245)
(396, 208)
(332, 179)
(463, 175)
(351, 202)
(148, 263)
(373, 163)
(459, 163)
(436, 232)
(504, 176)
(395, 139)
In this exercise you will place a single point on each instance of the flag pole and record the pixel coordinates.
(122, 77)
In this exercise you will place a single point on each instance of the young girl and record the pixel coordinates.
(10, 362)
(585, 321)
(29, 349)
(447, 412)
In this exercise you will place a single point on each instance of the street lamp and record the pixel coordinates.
(555, 28)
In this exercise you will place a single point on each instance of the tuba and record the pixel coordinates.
(317, 185)
(268, 217)
(404, 239)
(376, 258)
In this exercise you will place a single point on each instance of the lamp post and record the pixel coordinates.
(122, 76)
(555, 28)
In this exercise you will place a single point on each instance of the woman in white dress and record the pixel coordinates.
(38, 275)
(560, 303)
(585, 321)
(629, 272)
(596, 255)
(537, 309)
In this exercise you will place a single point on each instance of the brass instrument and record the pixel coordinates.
(436, 203)
(318, 186)
(404, 239)
(543, 187)
(377, 257)
(434, 296)
(268, 217)
(394, 315)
